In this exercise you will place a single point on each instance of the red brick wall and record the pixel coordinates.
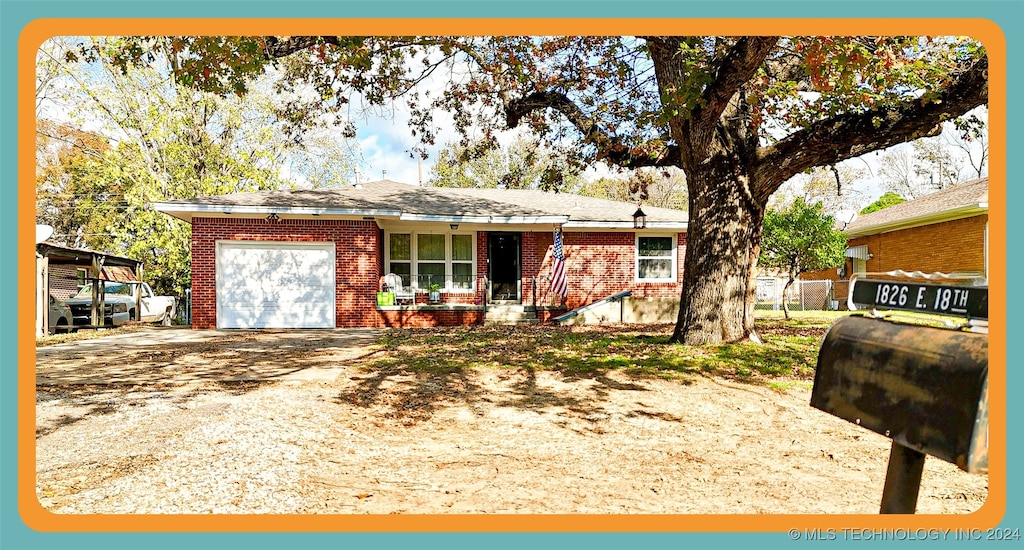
(598, 265)
(63, 281)
(957, 245)
(356, 266)
(431, 318)
(831, 274)
(481, 267)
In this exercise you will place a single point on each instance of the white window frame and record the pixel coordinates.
(387, 253)
(637, 258)
(860, 266)
(448, 261)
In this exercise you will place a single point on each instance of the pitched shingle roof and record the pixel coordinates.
(386, 198)
(969, 198)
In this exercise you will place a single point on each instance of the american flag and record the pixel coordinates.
(558, 281)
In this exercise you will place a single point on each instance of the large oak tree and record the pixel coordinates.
(739, 115)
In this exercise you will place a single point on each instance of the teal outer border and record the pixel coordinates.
(15, 14)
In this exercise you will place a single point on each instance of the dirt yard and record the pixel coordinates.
(182, 421)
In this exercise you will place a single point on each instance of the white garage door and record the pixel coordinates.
(264, 284)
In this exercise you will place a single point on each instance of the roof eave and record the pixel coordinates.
(188, 211)
(928, 219)
(593, 224)
(503, 220)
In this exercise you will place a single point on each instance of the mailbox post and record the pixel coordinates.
(902, 480)
(924, 387)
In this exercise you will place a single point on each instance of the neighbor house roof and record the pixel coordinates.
(386, 199)
(963, 200)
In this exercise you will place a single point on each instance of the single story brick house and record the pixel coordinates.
(306, 258)
(946, 232)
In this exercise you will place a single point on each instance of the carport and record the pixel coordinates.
(62, 269)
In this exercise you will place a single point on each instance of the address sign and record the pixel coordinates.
(963, 301)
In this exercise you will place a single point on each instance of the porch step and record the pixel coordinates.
(502, 314)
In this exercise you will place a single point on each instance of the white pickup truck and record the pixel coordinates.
(119, 301)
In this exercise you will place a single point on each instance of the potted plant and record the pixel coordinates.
(434, 293)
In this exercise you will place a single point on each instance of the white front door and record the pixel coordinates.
(263, 284)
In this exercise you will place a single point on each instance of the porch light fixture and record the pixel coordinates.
(454, 226)
(273, 217)
(639, 218)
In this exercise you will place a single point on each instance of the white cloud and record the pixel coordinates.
(383, 150)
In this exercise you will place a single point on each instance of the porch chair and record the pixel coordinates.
(393, 283)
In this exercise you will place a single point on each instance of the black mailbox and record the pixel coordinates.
(924, 387)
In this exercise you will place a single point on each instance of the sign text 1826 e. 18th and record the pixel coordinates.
(930, 298)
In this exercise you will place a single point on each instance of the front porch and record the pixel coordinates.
(422, 315)
(456, 308)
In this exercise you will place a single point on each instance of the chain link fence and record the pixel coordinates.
(183, 314)
(800, 296)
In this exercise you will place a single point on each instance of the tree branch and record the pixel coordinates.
(735, 70)
(695, 130)
(839, 138)
(610, 148)
(278, 47)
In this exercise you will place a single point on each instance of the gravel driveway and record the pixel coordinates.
(170, 420)
(173, 420)
(180, 355)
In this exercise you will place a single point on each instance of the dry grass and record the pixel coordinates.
(788, 353)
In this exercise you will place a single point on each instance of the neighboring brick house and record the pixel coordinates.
(946, 232)
(318, 258)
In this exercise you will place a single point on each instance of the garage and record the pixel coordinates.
(263, 284)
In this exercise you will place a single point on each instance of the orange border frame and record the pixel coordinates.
(36, 517)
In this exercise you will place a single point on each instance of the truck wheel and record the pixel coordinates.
(166, 321)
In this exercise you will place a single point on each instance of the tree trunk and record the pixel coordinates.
(722, 245)
(785, 290)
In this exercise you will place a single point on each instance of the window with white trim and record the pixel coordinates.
(656, 258)
(462, 261)
(400, 257)
(427, 258)
(430, 259)
(859, 257)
